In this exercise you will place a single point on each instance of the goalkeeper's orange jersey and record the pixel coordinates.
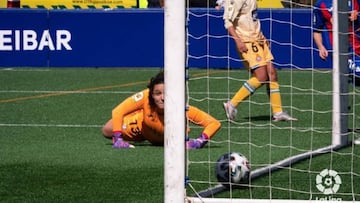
(137, 121)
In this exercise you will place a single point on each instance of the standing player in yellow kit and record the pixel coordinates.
(141, 117)
(241, 21)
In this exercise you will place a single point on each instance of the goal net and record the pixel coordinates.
(312, 159)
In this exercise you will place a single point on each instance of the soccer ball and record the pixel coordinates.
(232, 168)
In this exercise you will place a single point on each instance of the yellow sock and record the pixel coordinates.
(245, 91)
(275, 97)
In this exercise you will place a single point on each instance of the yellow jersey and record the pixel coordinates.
(242, 14)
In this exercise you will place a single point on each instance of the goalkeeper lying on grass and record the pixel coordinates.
(141, 117)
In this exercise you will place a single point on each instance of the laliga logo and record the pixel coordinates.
(328, 181)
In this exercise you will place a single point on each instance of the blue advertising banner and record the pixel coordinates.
(81, 38)
(19, 34)
(135, 38)
(109, 38)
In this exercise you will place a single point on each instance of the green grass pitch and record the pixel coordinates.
(52, 150)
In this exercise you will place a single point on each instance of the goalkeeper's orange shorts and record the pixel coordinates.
(132, 126)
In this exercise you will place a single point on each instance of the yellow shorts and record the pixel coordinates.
(258, 54)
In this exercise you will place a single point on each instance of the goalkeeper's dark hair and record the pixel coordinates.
(157, 79)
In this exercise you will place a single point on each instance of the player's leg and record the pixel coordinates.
(248, 88)
(274, 89)
(107, 129)
(258, 71)
(259, 76)
(275, 96)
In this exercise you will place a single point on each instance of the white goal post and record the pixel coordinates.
(340, 70)
(174, 141)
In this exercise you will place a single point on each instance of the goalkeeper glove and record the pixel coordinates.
(119, 143)
(197, 143)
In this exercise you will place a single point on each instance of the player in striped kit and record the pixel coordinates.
(323, 36)
(241, 21)
(141, 117)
